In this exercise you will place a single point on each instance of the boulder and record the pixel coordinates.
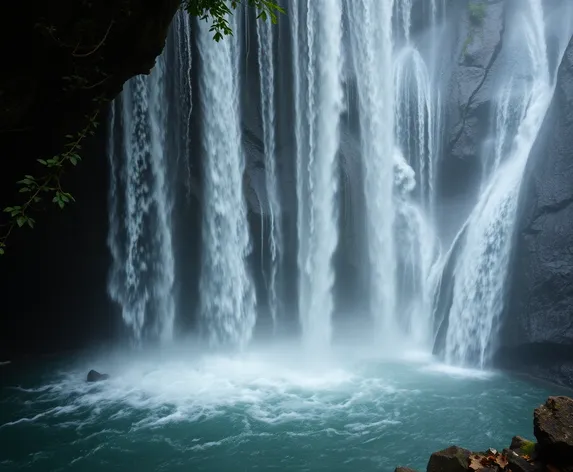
(404, 469)
(553, 428)
(95, 376)
(452, 459)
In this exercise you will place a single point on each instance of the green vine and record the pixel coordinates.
(49, 185)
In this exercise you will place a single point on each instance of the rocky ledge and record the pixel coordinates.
(553, 451)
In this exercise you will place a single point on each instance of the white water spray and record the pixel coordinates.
(141, 280)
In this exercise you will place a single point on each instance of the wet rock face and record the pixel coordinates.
(538, 325)
(470, 96)
(553, 428)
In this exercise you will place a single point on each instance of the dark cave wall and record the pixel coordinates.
(63, 60)
(538, 331)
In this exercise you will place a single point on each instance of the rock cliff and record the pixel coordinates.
(538, 331)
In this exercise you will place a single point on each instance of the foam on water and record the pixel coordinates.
(267, 384)
(265, 408)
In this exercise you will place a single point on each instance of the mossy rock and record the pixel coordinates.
(523, 447)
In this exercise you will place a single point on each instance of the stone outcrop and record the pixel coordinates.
(538, 326)
(553, 452)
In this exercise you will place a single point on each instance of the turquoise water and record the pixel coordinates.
(265, 410)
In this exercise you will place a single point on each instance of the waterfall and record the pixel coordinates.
(267, 79)
(371, 40)
(227, 295)
(482, 265)
(319, 55)
(357, 91)
(140, 238)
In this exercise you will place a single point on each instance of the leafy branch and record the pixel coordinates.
(49, 185)
(219, 12)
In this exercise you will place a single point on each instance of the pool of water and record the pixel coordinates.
(263, 410)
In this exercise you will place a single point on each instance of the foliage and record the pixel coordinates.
(49, 185)
(477, 13)
(218, 11)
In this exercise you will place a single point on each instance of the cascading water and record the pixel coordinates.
(267, 79)
(415, 110)
(482, 265)
(371, 40)
(140, 237)
(398, 136)
(228, 299)
(320, 56)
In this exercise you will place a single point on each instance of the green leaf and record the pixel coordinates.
(24, 189)
(1, 251)
(21, 221)
(42, 161)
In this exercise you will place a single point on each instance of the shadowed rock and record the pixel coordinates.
(95, 376)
